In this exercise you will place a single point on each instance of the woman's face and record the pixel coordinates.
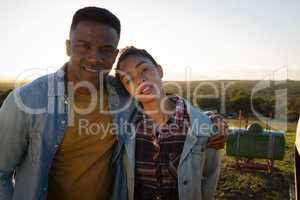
(141, 78)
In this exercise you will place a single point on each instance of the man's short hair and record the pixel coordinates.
(98, 15)
(133, 51)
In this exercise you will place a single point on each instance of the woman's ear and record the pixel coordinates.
(160, 70)
(68, 47)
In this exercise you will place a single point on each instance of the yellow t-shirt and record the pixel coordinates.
(80, 169)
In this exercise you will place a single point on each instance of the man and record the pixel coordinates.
(57, 134)
(47, 140)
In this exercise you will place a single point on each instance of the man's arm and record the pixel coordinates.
(220, 127)
(217, 142)
(13, 142)
(211, 173)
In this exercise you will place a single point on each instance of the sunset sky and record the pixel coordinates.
(213, 39)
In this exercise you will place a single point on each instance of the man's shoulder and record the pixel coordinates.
(113, 82)
(116, 86)
(31, 95)
(38, 86)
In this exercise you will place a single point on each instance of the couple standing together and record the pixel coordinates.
(80, 133)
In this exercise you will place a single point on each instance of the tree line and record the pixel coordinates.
(237, 97)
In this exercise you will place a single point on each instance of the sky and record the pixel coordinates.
(191, 39)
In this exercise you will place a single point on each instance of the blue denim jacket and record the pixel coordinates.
(199, 167)
(33, 119)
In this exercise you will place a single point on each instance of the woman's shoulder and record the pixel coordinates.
(199, 120)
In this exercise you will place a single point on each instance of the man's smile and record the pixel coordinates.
(92, 69)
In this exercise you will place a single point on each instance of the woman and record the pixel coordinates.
(166, 154)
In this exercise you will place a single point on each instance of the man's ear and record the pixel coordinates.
(68, 47)
(160, 70)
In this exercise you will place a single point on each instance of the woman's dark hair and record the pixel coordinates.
(132, 51)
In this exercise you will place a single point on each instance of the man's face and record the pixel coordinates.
(92, 49)
(141, 78)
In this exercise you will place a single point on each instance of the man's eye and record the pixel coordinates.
(107, 51)
(83, 47)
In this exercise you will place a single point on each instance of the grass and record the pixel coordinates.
(247, 184)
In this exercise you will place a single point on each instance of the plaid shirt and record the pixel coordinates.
(158, 150)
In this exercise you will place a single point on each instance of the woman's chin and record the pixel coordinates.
(147, 98)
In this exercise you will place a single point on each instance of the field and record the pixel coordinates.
(235, 95)
(6, 85)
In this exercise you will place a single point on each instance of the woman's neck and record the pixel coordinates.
(159, 110)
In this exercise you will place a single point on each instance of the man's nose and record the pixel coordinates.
(95, 57)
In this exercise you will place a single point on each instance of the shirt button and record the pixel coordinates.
(54, 148)
(45, 189)
(185, 182)
(63, 122)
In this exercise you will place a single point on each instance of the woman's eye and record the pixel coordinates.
(127, 82)
(145, 69)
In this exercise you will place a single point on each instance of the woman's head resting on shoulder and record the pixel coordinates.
(140, 74)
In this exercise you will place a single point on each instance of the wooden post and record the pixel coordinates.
(240, 119)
